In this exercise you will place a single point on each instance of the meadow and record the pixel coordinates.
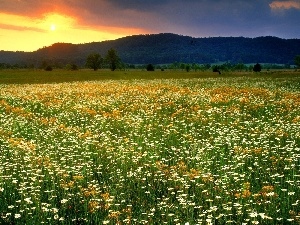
(161, 148)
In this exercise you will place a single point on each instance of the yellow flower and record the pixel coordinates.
(105, 196)
(93, 206)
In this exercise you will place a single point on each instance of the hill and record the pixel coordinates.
(167, 48)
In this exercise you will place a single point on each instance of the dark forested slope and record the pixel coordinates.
(168, 48)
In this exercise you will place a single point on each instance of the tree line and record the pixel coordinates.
(225, 67)
(112, 61)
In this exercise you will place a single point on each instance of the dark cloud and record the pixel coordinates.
(140, 5)
(29, 8)
(189, 17)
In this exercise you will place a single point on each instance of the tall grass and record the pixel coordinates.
(163, 151)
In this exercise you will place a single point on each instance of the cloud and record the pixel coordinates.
(188, 17)
(19, 28)
(279, 5)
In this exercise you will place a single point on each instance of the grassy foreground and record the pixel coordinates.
(26, 76)
(58, 76)
(219, 150)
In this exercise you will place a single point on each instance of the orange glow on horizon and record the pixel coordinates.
(22, 33)
(57, 21)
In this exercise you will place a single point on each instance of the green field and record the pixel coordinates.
(137, 147)
(41, 76)
(26, 76)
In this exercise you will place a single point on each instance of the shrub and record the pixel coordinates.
(48, 68)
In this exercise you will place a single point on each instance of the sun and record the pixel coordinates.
(53, 27)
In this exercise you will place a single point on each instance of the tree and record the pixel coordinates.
(297, 61)
(182, 66)
(71, 67)
(187, 67)
(216, 69)
(257, 67)
(205, 67)
(150, 67)
(94, 61)
(175, 65)
(45, 64)
(112, 59)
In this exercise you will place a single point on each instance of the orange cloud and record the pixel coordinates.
(285, 5)
(19, 28)
(23, 33)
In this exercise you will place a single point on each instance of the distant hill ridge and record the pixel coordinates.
(167, 48)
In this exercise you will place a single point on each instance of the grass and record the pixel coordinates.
(24, 76)
(40, 76)
(108, 150)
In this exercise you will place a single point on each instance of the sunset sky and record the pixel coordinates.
(26, 25)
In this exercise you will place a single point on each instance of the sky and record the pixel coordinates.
(27, 25)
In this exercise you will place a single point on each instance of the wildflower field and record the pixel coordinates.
(222, 150)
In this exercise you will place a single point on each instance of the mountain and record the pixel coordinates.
(167, 48)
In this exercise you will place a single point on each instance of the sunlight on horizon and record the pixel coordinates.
(57, 21)
(21, 33)
(53, 27)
